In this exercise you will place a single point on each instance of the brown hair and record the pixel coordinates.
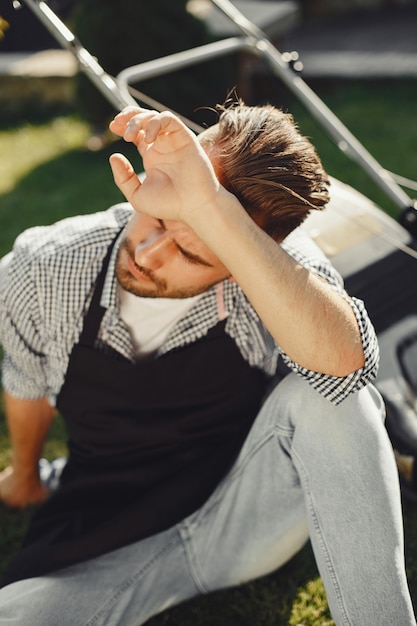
(261, 157)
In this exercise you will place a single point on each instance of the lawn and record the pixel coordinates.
(47, 174)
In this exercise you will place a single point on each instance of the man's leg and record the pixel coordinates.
(130, 585)
(303, 458)
(334, 465)
(124, 588)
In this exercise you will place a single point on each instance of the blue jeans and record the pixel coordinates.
(307, 469)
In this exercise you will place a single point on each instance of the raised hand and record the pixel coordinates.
(180, 179)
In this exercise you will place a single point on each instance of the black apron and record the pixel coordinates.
(148, 443)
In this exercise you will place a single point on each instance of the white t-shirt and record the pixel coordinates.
(150, 320)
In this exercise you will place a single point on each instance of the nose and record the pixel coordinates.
(153, 251)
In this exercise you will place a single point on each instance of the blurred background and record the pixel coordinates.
(359, 56)
(340, 39)
(353, 53)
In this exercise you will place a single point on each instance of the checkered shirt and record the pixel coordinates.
(46, 284)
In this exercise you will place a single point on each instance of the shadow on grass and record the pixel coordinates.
(13, 523)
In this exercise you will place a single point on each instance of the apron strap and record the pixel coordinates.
(95, 311)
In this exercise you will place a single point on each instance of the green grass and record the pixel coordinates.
(48, 174)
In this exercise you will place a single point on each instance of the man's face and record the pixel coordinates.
(165, 259)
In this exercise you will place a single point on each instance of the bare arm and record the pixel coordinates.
(313, 324)
(28, 422)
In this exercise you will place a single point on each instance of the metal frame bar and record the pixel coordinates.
(88, 64)
(254, 41)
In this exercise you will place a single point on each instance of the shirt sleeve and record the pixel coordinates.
(334, 388)
(23, 374)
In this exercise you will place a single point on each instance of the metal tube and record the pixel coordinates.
(88, 64)
(257, 43)
(246, 26)
(344, 139)
(178, 60)
(336, 129)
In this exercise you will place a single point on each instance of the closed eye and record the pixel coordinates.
(192, 258)
(189, 256)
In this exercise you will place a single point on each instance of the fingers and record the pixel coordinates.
(124, 176)
(130, 121)
(139, 125)
(119, 122)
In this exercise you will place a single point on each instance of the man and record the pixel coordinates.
(154, 334)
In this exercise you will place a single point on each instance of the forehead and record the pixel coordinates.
(208, 136)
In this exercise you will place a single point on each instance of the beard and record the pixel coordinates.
(127, 280)
(154, 287)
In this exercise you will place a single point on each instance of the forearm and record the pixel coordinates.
(28, 422)
(312, 323)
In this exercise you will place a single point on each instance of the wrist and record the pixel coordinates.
(25, 471)
(224, 221)
(217, 217)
